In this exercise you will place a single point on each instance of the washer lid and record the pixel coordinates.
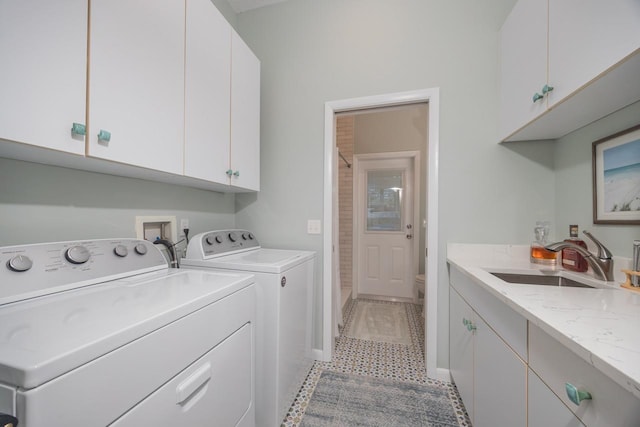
(45, 337)
(258, 260)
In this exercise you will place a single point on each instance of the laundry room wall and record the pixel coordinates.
(40, 203)
(313, 52)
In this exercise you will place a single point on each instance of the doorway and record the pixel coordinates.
(384, 248)
(430, 96)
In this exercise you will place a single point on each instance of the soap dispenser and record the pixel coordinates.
(540, 255)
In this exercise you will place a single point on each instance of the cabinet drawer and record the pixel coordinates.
(545, 409)
(556, 365)
(508, 324)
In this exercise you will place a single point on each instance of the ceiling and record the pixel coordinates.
(244, 5)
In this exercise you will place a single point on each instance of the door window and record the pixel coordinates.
(384, 200)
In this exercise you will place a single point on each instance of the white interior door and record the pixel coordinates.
(385, 224)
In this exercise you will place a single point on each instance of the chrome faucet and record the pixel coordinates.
(602, 263)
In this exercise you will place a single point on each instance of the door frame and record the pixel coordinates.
(432, 97)
(415, 158)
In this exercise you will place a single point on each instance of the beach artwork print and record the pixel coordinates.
(617, 178)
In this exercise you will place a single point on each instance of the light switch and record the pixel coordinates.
(314, 226)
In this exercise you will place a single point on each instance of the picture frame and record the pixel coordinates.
(616, 178)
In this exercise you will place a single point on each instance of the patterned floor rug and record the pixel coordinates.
(379, 321)
(341, 399)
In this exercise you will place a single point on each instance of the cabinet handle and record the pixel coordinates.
(575, 395)
(465, 322)
(537, 97)
(229, 173)
(236, 174)
(546, 89)
(103, 135)
(471, 327)
(78, 129)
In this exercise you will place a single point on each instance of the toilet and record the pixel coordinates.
(420, 289)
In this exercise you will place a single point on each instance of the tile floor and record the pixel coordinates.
(377, 359)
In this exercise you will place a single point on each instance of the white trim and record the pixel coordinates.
(443, 374)
(432, 96)
(317, 353)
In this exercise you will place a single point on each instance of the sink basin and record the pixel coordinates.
(535, 279)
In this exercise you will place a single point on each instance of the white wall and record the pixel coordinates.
(41, 203)
(574, 198)
(316, 51)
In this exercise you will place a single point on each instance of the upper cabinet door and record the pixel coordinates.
(136, 89)
(43, 46)
(523, 68)
(208, 93)
(587, 37)
(245, 115)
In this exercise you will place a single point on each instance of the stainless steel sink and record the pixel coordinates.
(534, 279)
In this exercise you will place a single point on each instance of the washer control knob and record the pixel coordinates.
(19, 263)
(121, 251)
(233, 237)
(218, 239)
(245, 236)
(250, 236)
(209, 240)
(140, 249)
(77, 254)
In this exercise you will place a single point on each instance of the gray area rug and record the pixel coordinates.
(378, 321)
(346, 400)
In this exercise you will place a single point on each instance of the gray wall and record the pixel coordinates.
(574, 198)
(317, 51)
(41, 203)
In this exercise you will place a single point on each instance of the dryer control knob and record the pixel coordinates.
(233, 237)
(19, 263)
(250, 236)
(77, 254)
(121, 251)
(209, 240)
(245, 236)
(141, 249)
(218, 239)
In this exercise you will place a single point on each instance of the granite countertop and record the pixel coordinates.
(600, 325)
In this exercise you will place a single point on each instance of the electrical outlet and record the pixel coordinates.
(184, 223)
(313, 226)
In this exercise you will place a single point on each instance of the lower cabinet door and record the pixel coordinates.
(461, 348)
(545, 408)
(216, 390)
(500, 381)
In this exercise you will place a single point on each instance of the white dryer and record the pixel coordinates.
(284, 288)
(102, 332)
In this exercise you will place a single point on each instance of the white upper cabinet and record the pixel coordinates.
(43, 46)
(245, 116)
(136, 86)
(578, 58)
(523, 69)
(208, 93)
(587, 37)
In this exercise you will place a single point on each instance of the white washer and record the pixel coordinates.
(102, 332)
(284, 287)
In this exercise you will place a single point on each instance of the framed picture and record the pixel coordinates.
(616, 178)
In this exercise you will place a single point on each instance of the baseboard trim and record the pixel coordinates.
(443, 374)
(318, 354)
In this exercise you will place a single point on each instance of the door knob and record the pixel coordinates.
(409, 236)
(409, 226)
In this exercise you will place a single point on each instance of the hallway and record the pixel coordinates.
(376, 359)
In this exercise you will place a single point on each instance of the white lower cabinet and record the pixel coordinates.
(509, 372)
(489, 375)
(544, 407)
(608, 403)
